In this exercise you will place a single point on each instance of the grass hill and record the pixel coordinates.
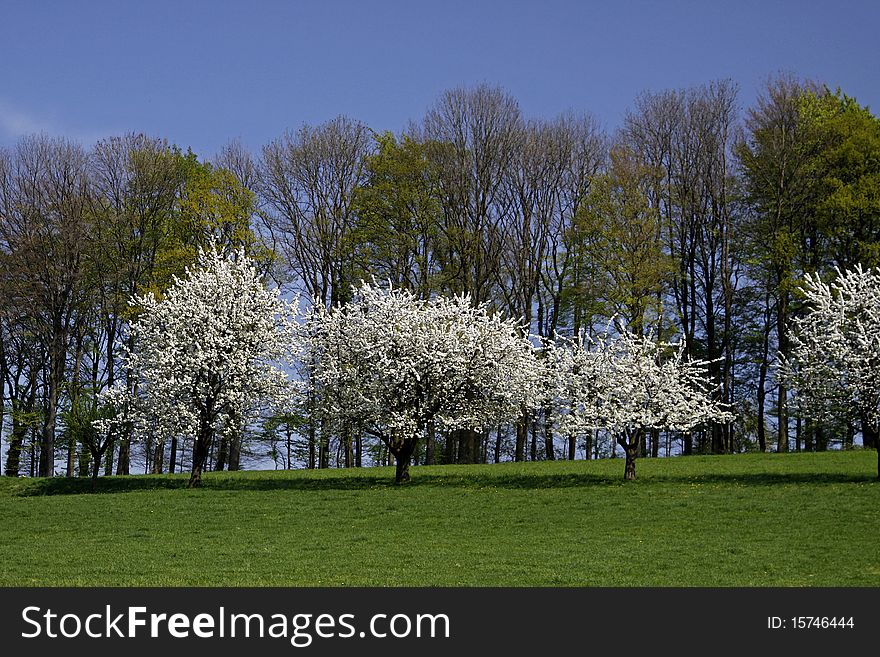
(744, 520)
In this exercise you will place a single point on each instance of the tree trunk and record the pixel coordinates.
(548, 438)
(521, 436)
(235, 453)
(762, 378)
(172, 457)
(323, 447)
(123, 463)
(572, 446)
(108, 459)
(449, 450)
(782, 390)
(498, 437)
(96, 469)
(71, 455)
(631, 449)
(533, 445)
(629, 472)
(222, 453)
(201, 447)
(57, 361)
(429, 444)
(13, 453)
(687, 445)
(869, 434)
(403, 454)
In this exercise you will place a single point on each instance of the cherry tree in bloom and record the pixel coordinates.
(628, 384)
(834, 360)
(393, 364)
(207, 354)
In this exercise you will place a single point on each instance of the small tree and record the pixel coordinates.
(207, 353)
(393, 364)
(834, 361)
(111, 418)
(628, 384)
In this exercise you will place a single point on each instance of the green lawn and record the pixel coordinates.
(748, 520)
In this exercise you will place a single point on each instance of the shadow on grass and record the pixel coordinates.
(473, 480)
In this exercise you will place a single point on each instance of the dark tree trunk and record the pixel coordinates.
(429, 444)
(96, 468)
(522, 429)
(108, 459)
(869, 434)
(323, 448)
(403, 454)
(57, 361)
(630, 446)
(821, 438)
(235, 453)
(349, 449)
(498, 437)
(71, 455)
(762, 378)
(464, 453)
(548, 438)
(13, 452)
(782, 390)
(468, 446)
(533, 445)
(655, 443)
(629, 472)
(849, 435)
(222, 453)
(312, 459)
(172, 456)
(572, 446)
(687, 444)
(123, 462)
(449, 451)
(201, 446)
(159, 458)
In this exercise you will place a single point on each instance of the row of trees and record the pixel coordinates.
(212, 354)
(690, 223)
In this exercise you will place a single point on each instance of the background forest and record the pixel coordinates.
(695, 220)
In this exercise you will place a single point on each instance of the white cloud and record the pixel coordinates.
(14, 123)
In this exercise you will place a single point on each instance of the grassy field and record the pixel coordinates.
(749, 520)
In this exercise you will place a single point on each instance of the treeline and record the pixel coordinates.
(695, 220)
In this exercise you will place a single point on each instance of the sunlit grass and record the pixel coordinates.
(749, 520)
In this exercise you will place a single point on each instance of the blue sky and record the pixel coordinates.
(202, 73)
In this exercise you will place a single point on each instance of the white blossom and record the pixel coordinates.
(208, 354)
(393, 363)
(626, 384)
(834, 356)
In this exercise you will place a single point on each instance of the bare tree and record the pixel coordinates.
(307, 183)
(137, 182)
(472, 138)
(44, 228)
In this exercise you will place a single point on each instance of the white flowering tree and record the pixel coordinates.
(207, 355)
(393, 364)
(834, 359)
(628, 384)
